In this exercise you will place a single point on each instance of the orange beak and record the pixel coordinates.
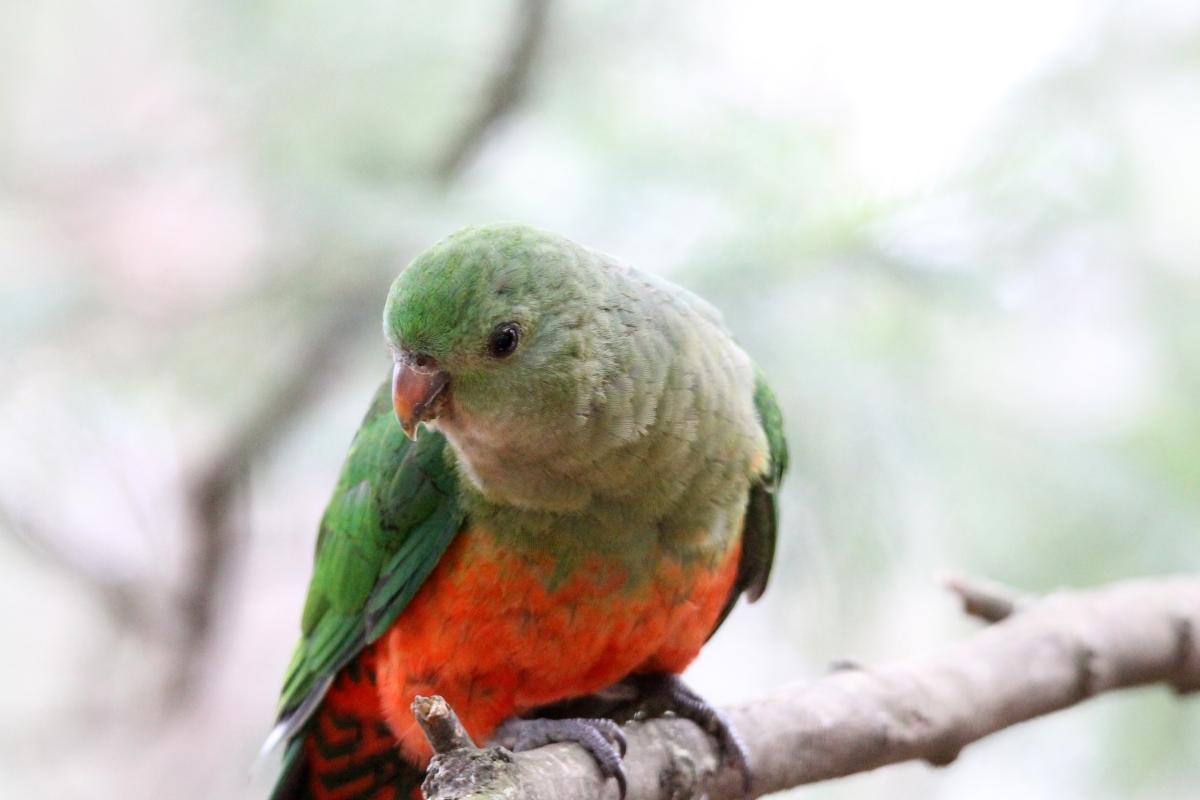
(418, 386)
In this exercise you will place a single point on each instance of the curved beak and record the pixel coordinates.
(418, 386)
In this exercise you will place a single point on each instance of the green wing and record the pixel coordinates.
(392, 516)
(762, 514)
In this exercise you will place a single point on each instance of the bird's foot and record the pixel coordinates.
(602, 738)
(658, 695)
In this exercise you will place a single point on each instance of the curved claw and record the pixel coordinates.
(660, 694)
(602, 738)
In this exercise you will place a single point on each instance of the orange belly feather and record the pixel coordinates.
(487, 634)
(494, 633)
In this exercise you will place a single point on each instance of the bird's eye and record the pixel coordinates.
(503, 341)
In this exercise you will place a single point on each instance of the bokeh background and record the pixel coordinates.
(961, 238)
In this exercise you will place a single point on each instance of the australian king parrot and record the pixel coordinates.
(559, 493)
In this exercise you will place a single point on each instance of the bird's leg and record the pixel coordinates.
(658, 695)
(593, 722)
(606, 703)
(602, 738)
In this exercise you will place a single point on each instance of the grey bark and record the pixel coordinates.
(1042, 655)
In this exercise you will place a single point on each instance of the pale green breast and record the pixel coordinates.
(667, 444)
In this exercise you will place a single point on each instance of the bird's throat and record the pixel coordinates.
(511, 466)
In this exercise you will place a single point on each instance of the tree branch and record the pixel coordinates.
(1055, 653)
(123, 600)
(506, 88)
(213, 491)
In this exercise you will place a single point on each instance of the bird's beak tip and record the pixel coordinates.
(416, 394)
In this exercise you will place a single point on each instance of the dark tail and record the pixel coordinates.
(381, 776)
(294, 776)
(346, 751)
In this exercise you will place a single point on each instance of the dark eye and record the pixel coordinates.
(504, 339)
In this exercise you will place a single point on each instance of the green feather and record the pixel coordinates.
(762, 510)
(394, 512)
(771, 419)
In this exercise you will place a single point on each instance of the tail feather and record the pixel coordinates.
(293, 779)
(346, 751)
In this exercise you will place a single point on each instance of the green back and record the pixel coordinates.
(393, 513)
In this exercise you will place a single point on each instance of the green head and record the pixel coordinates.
(565, 382)
(492, 325)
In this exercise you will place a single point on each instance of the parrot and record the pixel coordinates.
(555, 498)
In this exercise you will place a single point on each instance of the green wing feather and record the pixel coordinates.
(762, 514)
(392, 516)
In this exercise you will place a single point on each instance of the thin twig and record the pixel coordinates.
(441, 725)
(984, 599)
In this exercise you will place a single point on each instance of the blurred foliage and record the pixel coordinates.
(961, 240)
